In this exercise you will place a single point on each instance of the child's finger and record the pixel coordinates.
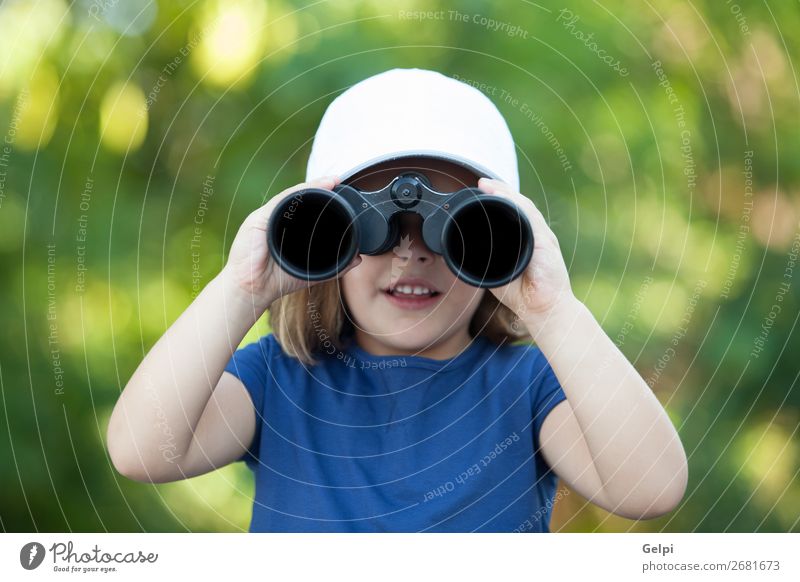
(537, 219)
(260, 215)
(326, 182)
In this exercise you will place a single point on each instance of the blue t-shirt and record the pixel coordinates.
(365, 443)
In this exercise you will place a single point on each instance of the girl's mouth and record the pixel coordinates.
(406, 297)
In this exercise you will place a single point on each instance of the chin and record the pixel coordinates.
(411, 341)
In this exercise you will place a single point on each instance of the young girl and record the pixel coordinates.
(396, 397)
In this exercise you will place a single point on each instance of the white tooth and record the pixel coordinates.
(409, 290)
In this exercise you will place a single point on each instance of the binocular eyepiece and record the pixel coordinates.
(485, 240)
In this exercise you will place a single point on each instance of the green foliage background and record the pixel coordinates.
(115, 115)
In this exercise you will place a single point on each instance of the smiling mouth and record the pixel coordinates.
(411, 292)
(409, 297)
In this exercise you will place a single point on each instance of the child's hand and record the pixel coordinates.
(545, 284)
(250, 267)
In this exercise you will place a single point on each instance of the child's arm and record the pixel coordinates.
(179, 415)
(166, 425)
(611, 440)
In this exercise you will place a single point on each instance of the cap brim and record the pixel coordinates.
(475, 168)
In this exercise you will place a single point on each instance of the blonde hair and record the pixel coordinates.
(317, 318)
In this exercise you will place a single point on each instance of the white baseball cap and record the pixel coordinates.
(413, 112)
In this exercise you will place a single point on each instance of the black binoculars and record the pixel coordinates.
(485, 240)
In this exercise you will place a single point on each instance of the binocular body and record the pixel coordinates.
(485, 240)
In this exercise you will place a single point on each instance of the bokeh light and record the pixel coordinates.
(674, 191)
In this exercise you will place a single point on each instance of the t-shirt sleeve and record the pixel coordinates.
(547, 395)
(250, 364)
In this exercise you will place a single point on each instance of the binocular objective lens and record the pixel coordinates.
(488, 241)
(314, 235)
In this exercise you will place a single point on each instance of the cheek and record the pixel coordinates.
(465, 297)
(361, 283)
